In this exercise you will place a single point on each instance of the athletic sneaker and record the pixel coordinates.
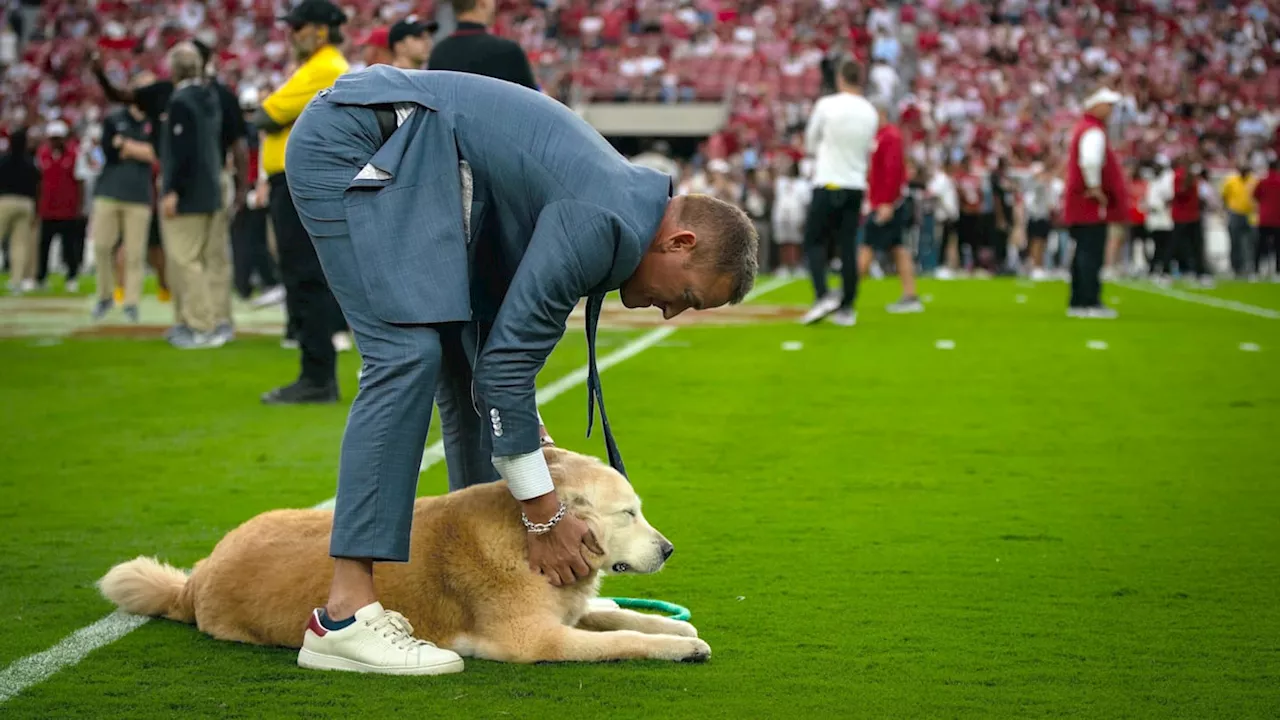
(1077, 312)
(101, 308)
(374, 641)
(906, 305)
(131, 313)
(1103, 312)
(845, 318)
(820, 310)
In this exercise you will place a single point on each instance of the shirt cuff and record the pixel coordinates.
(527, 475)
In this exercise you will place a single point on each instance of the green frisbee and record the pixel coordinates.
(671, 610)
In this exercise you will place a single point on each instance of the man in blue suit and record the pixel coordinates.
(459, 219)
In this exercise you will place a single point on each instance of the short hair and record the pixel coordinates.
(185, 62)
(734, 240)
(851, 72)
(462, 6)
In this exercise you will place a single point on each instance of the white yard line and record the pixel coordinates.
(34, 669)
(1209, 300)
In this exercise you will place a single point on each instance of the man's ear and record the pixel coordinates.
(680, 241)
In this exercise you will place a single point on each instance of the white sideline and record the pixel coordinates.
(1209, 300)
(34, 669)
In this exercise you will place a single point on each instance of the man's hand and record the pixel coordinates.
(884, 213)
(170, 205)
(560, 555)
(544, 436)
(1099, 196)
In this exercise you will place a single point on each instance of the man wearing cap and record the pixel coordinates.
(61, 196)
(410, 43)
(373, 49)
(460, 220)
(472, 49)
(1094, 195)
(315, 30)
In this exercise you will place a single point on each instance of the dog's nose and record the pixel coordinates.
(667, 548)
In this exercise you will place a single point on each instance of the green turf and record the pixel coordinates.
(866, 527)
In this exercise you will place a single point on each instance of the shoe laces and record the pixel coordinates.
(395, 628)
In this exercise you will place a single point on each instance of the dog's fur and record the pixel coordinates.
(466, 587)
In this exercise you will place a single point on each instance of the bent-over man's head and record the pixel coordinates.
(703, 256)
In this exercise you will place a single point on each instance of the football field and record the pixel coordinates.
(986, 510)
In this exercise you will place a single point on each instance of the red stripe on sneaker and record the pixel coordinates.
(314, 624)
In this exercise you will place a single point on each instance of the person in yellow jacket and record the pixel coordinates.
(1237, 197)
(314, 316)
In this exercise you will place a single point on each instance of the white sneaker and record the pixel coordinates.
(379, 641)
(906, 305)
(845, 318)
(342, 342)
(72, 286)
(820, 310)
(944, 273)
(271, 296)
(1039, 275)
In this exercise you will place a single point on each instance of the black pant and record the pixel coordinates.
(1188, 248)
(834, 214)
(1268, 240)
(72, 233)
(310, 303)
(1163, 261)
(249, 251)
(969, 232)
(1086, 266)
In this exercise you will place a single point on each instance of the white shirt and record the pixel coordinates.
(1159, 196)
(1093, 153)
(943, 188)
(840, 133)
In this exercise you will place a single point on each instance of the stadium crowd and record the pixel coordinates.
(984, 93)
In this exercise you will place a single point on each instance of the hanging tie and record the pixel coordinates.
(594, 394)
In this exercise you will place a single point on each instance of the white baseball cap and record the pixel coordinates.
(56, 128)
(1104, 96)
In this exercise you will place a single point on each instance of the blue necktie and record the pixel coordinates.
(594, 395)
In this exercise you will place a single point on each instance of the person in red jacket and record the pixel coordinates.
(886, 190)
(1094, 195)
(1188, 231)
(60, 203)
(1267, 194)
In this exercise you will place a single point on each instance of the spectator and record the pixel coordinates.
(19, 189)
(410, 43)
(791, 195)
(1267, 195)
(1237, 198)
(471, 48)
(122, 205)
(886, 195)
(192, 194)
(60, 204)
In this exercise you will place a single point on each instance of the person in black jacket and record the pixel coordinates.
(191, 196)
(473, 50)
(19, 189)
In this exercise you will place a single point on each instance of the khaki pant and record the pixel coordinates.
(18, 221)
(221, 285)
(198, 263)
(111, 220)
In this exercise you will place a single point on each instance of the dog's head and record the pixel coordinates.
(604, 499)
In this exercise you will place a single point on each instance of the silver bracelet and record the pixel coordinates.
(543, 528)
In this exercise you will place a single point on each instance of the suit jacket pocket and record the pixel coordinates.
(412, 253)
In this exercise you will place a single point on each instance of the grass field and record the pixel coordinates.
(868, 526)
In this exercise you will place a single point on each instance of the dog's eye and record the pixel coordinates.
(631, 513)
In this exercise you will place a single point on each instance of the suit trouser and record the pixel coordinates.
(72, 233)
(17, 220)
(130, 223)
(1163, 261)
(195, 257)
(1086, 264)
(834, 214)
(1188, 248)
(1268, 242)
(249, 251)
(308, 298)
(220, 282)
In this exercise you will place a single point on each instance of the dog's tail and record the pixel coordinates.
(146, 586)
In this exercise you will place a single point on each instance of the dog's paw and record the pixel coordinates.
(699, 651)
(683, 629)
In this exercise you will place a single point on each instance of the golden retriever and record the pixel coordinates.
(467, 586)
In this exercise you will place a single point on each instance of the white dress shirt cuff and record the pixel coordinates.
(527, 475)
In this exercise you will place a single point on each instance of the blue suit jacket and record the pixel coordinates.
(557, 215)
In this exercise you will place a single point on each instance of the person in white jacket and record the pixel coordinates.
(942, 198)
(1159, 220)
(1038, 202)
(791, 193)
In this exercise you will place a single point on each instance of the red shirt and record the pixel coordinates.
(1185, 207)
(1137, 195)
(888, 171)
(59, 189)
(1267, 193)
